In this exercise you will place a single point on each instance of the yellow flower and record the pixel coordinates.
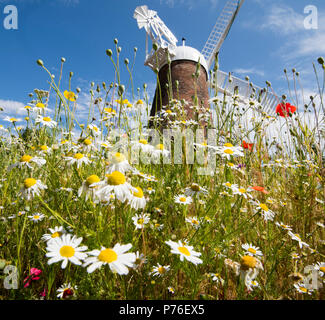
(69, 95)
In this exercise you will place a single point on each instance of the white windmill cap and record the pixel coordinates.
(187, 53)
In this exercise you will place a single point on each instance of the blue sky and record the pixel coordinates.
(267, 36)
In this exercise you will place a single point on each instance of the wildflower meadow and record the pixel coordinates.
(225, 205)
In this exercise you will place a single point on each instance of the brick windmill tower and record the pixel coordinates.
(176, 65)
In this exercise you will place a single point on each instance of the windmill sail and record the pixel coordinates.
(221, 30)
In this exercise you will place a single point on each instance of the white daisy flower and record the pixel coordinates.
(241, 191)
(142, 145)
(251, 284)
(117, 259)
(31, 188)
(264, 209)
(217, 278)
(12, 119)
(301, 288)
(115, 183)
(137, 199)
(194, 221)
(252, 250)
(185, 251)
(171, 290)
(159, 270)
(65, 248)
(44, 149)
(150, 190)
(79, 159)
(158, 151)
(55, 233)
(296, 237)
(141, 220)
(90, 187)
(195, 190)
(36, 217)
(46, 121)
(183, 199)
(140, 259)
(25, 160)
(320, 267)
(228, 151)
(283, 226)
(94, 129)
(66, 291)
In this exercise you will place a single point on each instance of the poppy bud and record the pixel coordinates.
(135, 49)
(121, 90)
(285, 70)
(78, 89)
(155, 46)
(144, 86)
(71, 74)
(115, 41)
(126, 61)
(63, 60)
(293, 70)
(40, 62)
(109, 52)
(321, 60)
(92, 83)
(119, 49)
(268, 83)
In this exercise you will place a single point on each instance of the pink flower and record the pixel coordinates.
(33, 275)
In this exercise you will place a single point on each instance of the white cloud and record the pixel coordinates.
(247, 71)
(12, 108)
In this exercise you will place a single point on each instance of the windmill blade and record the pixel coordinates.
(221, 30)
(227, 83)
(144, 17)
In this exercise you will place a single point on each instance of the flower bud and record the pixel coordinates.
(155, 46)
(135, 49)
(119, 49)
(115, 41)
(78, 89)
(71, 74)
(126, 61)
(63, 60)
(321, 60)
(40, 62)
(109, 52)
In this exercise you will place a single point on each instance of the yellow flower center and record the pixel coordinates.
(139, 193)
(251, 250)
(78, 156)
(67, 251)
(44, 148)
(107, 255)
(195, 187)
(242, 190)
(56, 234)
(161, 270)
(116, 178)
(140, 221)
(92, 179)
(70, 95)
(36, 217)
(87, 142)
(40, 105)
(228, 145)
(13, 119)
(160, 146)
(28, 183)
(303, 289)
(168, 111)
(184, 251)
(195, 221)
(322, 269)
(182, 199)
(143, 141)
(118, 157)
(228, 151)
(248, 262)
(228, 184)
(26, 158)
(110, 110)
(140, 102)
(47, 119)
(230, 164)
(264, 207)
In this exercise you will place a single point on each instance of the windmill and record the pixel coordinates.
(185, 61)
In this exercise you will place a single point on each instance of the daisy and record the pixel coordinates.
(228, 151)
(183, 199)
(66, 291)
(137, 199)
(118, 162)
(55, 233)
(252, 250)
(184, 251)
(150, 190)
(31, 188)
(217, 278)
(251, 284)
(94, 129)
(296, 237)
(37, 217)
(241, 191)
(65, 248)
(88, 145)
(79, 159)
(25, 160)
(194, 221)
(159, 150)
(168, 113)
(301, 288)
(117, 259)
(171, 290)
(115, 183)
(12, 119)
(139, 259)
(195, 190)
(159, 270)
(320, 267)
(46, 121)
(141, 220)
(142, 145)
(44, 149)
(264, 209)
(283, 226)
(90, 187)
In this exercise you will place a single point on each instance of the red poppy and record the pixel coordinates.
(248, 146)
(261, 189)
(285, 110)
